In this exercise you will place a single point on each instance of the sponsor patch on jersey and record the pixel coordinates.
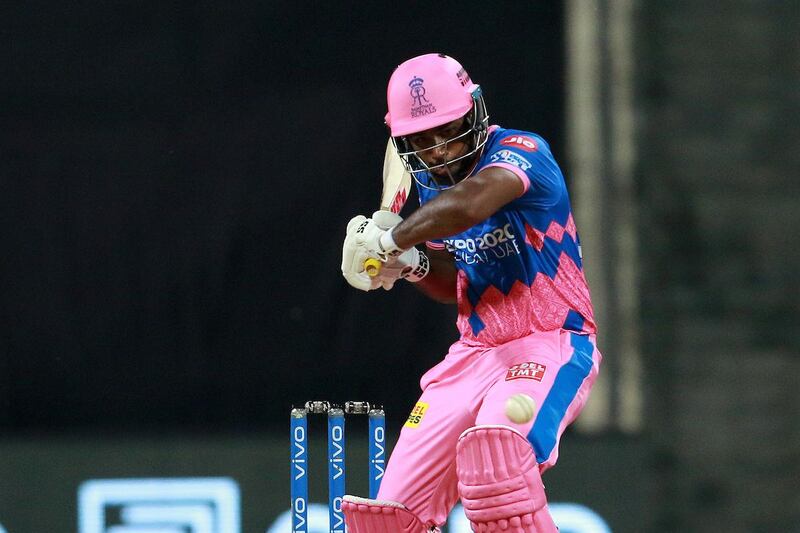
(507, 156)
(529, 370)
(520, 141)
(417, 414)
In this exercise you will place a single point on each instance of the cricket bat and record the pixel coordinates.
(396, 186)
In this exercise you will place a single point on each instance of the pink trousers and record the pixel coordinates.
(470, 387)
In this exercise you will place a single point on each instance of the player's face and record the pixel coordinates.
(438, 146)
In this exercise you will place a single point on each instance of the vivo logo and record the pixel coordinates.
(338, 517)
(299, 506)
(298, 460)
(338, 453)
(379, 460)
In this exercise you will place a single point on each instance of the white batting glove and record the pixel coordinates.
(412, 264)
(353, 256)
(377, 241)
(386, 219)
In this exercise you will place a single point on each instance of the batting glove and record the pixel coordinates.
(411, 264)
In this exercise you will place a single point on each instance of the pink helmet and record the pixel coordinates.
(428, 91)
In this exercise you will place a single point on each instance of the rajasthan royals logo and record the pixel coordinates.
(420, 106)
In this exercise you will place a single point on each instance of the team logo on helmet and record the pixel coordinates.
(420, 106)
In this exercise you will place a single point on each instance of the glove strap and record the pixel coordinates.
(388, 246)
(418, 268)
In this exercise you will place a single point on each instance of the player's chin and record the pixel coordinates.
(454, 170)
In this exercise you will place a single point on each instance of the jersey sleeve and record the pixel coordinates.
(528, 156)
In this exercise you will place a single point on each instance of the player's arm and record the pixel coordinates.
(471, 201)
(440, 283)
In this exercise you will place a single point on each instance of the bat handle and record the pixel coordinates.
(372, 266)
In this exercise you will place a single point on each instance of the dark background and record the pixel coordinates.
(176, 179)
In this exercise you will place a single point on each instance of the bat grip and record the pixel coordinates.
(372, 267)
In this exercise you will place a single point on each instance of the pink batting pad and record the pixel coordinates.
(499, 482)
(374, 516)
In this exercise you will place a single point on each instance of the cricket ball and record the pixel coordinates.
(520, 408)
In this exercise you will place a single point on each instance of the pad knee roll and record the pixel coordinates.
(499, 481)
(374, 516)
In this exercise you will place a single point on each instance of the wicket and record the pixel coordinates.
(336, 458)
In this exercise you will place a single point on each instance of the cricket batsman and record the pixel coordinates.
(501, 244)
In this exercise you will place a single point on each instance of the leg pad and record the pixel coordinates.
(375, 516)
(499, 482)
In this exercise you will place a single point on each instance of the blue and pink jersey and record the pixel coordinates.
(520, 271)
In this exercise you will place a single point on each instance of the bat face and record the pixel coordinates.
(396, 186)
(396, 181)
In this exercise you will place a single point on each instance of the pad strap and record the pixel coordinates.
(377, 516)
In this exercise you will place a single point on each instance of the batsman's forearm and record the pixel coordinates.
(442, 217)
(471, 201)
